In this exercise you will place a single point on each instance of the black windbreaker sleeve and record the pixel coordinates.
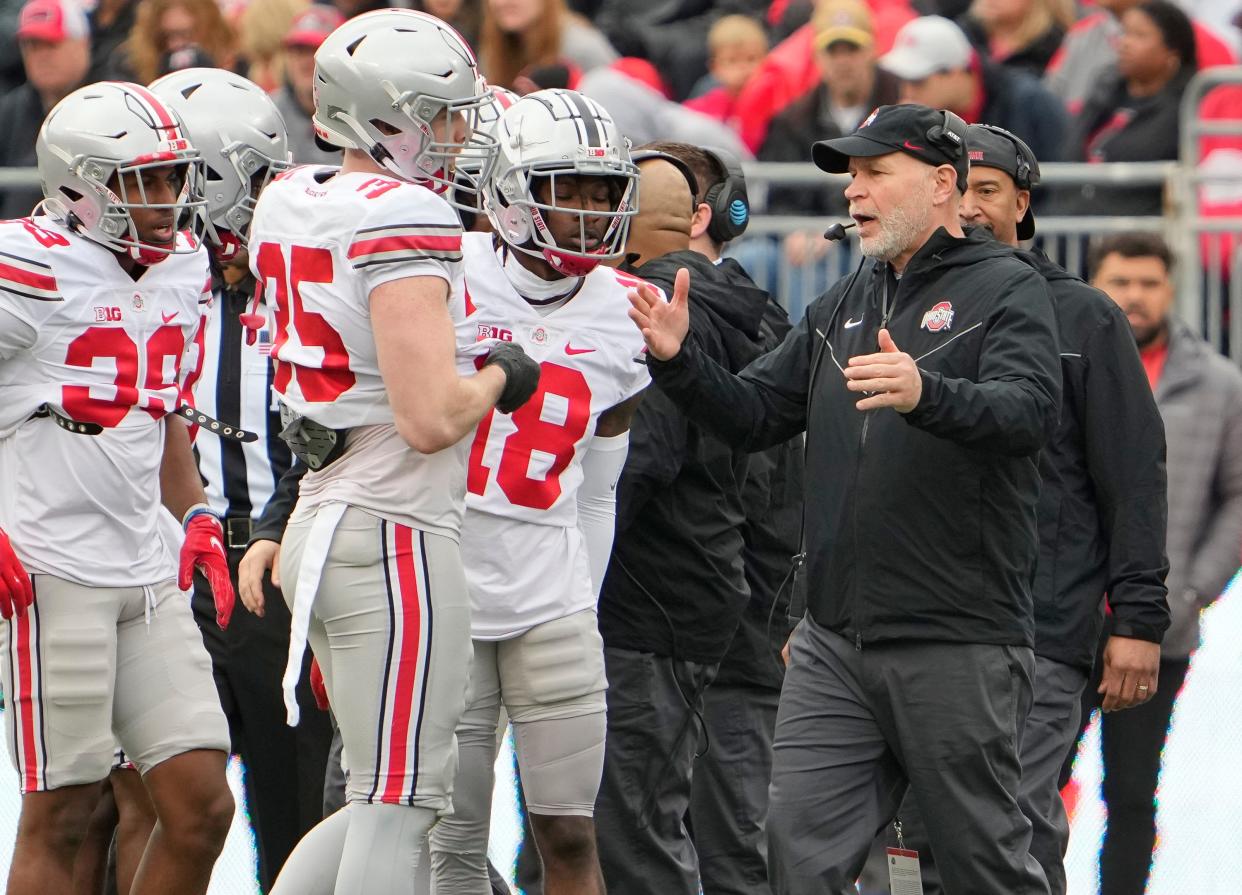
(271, 525)
(657, 451)
(1013, 407)
(762, 406)
(1124, 436)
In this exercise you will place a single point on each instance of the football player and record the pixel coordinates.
(539, 508)
(244, 144)
(360, 266)
(100, 298)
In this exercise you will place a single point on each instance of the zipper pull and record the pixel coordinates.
(858, 641)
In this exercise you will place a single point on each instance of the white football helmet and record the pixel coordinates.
(550, 134)
(386, 80)
(242, 138)
(91, 142)
(469, 168)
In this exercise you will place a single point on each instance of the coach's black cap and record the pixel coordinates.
(994, 147)
(937, 138)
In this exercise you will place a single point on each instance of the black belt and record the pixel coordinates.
(224, 430)
(237, 531)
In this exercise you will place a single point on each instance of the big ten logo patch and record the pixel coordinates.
(107, 315)
(488, 331)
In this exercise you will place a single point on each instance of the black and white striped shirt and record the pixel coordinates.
(235, 386)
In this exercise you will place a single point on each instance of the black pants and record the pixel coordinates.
(284, 765)
(1132, 741)
(729, 791)
(653, 735)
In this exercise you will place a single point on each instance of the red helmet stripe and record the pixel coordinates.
(158, 111)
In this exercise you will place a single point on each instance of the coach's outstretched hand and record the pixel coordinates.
(15, 590)
(204, 550)
(663, 324)
(521, 375)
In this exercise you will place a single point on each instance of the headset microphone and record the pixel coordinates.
(837, 231)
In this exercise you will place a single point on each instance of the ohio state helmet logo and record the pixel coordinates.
(939, 317)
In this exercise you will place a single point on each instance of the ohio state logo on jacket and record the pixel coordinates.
(939, 317)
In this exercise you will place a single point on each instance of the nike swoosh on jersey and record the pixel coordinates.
(572, 351)
(851, 323)
(169, 318)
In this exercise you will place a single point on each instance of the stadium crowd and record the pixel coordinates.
(503, 376)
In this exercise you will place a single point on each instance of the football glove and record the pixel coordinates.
(521, 375)
(15, 590)
(318, 688)
(204, 550)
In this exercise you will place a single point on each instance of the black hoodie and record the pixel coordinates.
(675, 585)
(919, 526)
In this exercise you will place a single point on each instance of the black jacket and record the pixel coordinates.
(1112, 127)
(1104, 502)
(675, 585)
(918, 526)
(772, 498)
(1019, 103)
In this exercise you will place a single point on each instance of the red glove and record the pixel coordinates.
(204, 550)
(318, 687)
(15, 590)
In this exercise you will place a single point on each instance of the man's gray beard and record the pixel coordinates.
(900, 227)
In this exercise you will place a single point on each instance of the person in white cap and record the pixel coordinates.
(939, 68)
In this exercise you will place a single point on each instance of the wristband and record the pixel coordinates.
(199, 509)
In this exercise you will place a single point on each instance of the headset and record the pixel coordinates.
(727, 199)
(642, 155)
(950, 136)
(1027, 174)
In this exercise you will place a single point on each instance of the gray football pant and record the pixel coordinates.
(856, 728)
(1047, 738)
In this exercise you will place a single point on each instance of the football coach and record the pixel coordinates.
(926, 383)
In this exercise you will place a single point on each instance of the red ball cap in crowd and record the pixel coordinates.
(313, 25)
(52, 21)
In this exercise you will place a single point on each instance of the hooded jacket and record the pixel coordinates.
(918, 526)
(675, 585)
(1103, 504)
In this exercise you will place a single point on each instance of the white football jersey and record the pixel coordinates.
(320, 242)
(524, 556)
(79, 334)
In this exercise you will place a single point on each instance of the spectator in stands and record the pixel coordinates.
(10, 54)
(1133, 115)
(1199, 394)
(464, 15)
(1090, 49)
(261, 31)
(850, 86)
(111, 23)
(630, 90)
(672, 34)
(517, 34)
(296, 99)
(163, 27)
(54, 37)
(1019, 34)
(735, 47)
(939, 68)
(790, 70)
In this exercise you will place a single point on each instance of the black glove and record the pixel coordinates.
(521, 375)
